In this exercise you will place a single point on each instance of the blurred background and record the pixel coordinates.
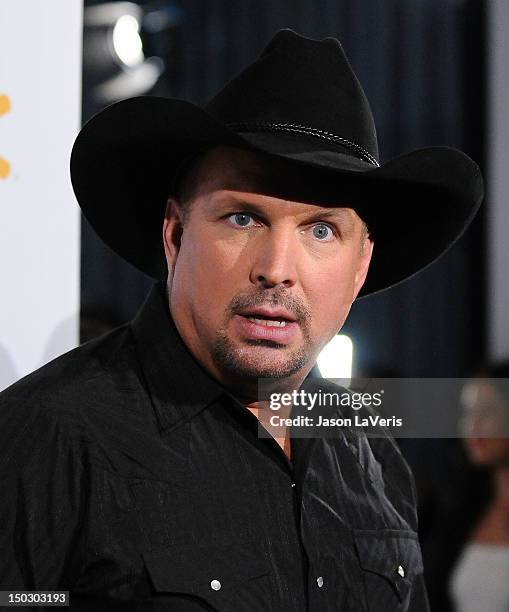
(435, 73)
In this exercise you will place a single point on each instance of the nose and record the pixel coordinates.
(275, 259)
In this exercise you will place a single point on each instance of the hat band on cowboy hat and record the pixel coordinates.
(298, 101)
(290, 128)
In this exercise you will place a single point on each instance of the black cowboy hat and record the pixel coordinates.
(299, 101)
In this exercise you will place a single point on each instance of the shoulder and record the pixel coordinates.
(350, 403)
(80, 365)
(53, 400)
(375, 448)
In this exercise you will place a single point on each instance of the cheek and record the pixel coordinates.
(500, 448)
(330, 290)
(206, 276)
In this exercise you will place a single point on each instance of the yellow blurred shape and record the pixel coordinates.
(5, 104)
(5, 168)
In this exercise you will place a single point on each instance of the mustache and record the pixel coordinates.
(274, 298)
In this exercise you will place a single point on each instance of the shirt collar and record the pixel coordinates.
(178, 385)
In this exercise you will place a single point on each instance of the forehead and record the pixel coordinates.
(229, 168)
(236, 169)
(479, 393)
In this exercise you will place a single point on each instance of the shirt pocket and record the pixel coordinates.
(229, 578)
(390, 560)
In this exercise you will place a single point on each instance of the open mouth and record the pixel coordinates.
(267, 324)
(267, 321)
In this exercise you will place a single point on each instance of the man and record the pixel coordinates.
(141, 468)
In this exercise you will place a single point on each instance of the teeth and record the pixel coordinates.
(267, 322)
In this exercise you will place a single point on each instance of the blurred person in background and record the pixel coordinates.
(479, 580)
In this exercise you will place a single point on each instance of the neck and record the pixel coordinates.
(278, 431)
(249, 392)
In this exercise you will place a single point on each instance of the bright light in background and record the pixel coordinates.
(127, 41)
(335, 359)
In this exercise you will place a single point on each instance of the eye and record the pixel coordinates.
(240, 219)
(323, 232)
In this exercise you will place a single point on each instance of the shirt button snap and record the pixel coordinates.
(401, 571)
(293, 484)
(319, 581)
(215, 585)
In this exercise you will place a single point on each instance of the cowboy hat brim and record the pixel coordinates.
(125, 159)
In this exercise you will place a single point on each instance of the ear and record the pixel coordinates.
(172, 233)
(363, 265)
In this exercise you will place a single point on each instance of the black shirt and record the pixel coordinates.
(132, 478)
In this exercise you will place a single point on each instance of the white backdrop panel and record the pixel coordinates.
(40, 106)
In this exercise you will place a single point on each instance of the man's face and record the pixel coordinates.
(258, 284)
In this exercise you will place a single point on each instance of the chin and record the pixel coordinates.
(253, 362)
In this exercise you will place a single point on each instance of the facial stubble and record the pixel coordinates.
(242, 361)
